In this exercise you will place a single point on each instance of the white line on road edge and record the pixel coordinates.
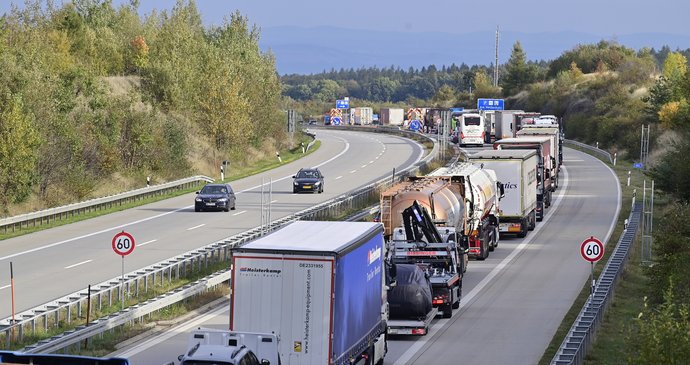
(339, 177)
(195, 227)
(146, 243)
(182, 328)
(5, 287)
(238, 213)
(77, 264)
(415, 347)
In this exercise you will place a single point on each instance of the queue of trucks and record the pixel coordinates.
(334, 292)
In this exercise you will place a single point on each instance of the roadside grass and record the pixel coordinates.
(611, 345)
(232, 175)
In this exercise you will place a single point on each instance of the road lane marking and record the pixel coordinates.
(147, 242)
(77, 264)
(5, 287)
(372, 161)
(353, 171)
(417, 345)
(273, 201)
(363, 166)
(238, 213)
(195, 227)
(339, 177)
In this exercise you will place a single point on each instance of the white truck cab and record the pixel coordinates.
(222, 347)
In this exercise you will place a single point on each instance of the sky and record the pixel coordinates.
(606, 18)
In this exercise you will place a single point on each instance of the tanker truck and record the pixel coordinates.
(480, 192)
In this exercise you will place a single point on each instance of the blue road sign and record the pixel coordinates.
(457, 110)
(336, 121)
(490, 104)
(415, 125)
(342, 104)
(637, 165)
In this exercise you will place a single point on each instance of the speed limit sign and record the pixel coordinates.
(592, 249)
(123, 243)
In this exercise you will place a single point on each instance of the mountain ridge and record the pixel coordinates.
(309, 50)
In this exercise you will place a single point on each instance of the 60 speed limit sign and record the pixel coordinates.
(592, 249)
(123, 243)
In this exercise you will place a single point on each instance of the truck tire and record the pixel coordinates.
(489, 238)
(483, 251)
(497, 236)
(448, 311)
(524, 227)
(532, 221)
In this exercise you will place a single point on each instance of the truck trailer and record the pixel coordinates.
(392, 116)
(542, 145)
(505, 123)
(319, 287)
(517, 171)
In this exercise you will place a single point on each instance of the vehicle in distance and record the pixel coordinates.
(9, 357)
(310, 180)
(211, 346)
(215, 197)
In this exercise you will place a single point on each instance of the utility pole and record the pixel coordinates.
(496, 61)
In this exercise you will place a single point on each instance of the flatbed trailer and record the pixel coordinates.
(418, 327)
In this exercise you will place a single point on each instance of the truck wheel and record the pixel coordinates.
(448, 311)
(497, 236)
(532, 221)
(523, 228)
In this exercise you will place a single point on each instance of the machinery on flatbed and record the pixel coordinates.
(420, 243)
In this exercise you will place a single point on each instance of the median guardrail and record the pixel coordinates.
(581, 335)
(33, 219)
(70, 307)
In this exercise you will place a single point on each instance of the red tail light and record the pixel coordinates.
(440, 299)
(419, 331)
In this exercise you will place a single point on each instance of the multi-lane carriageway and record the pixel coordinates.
(512, 302)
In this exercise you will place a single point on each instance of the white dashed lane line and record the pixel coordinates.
(4, 287)
(195, 227)
(146, 243)
(238, 213)
(339, 177)
(363, 166)
(353, 171)
(77, 264)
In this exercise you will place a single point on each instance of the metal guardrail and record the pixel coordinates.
(67, 308)
(33, 219)
(596, 150)
(580, 337)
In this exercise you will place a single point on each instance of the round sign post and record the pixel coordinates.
(123, 244)
(592, 250)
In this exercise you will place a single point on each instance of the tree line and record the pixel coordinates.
(201, 95)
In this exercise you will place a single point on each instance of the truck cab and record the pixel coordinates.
(220, 347)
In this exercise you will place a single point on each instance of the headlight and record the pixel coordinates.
(197, 200)
(296, 183)
(223, 199)
(317, 183)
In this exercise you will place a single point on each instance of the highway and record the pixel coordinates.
(55, 262)
(512, 303)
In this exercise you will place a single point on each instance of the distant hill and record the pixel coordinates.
(312, 50)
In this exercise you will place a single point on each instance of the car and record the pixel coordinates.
(308, 179)
(215, 197)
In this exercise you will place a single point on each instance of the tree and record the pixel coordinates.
(518, 73)
(19, 142)
(445, 97)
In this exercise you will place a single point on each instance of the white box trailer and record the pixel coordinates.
(552, 131)
(361, 116)
(504, 121)
(517, 171)
(319, 286)
(392, 116)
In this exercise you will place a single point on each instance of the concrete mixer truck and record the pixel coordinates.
(480, 192)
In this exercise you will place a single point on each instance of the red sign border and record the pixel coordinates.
(598, 242)
(128, 235)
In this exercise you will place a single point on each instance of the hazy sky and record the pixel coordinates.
(606, 18)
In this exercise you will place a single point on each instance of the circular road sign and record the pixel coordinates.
(123, 243)
(592, 249)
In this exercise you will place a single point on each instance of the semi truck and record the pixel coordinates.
(361, 116)
(223, 347)
(505, 123)
(392, 116)
(517, 171)
(319, 287)
(542, 145)
(554, 132)
(480, 193)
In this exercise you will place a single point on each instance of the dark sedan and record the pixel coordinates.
(310, 180)
(215, 197)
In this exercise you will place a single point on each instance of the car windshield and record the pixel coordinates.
(308, 174)
(214, 190)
